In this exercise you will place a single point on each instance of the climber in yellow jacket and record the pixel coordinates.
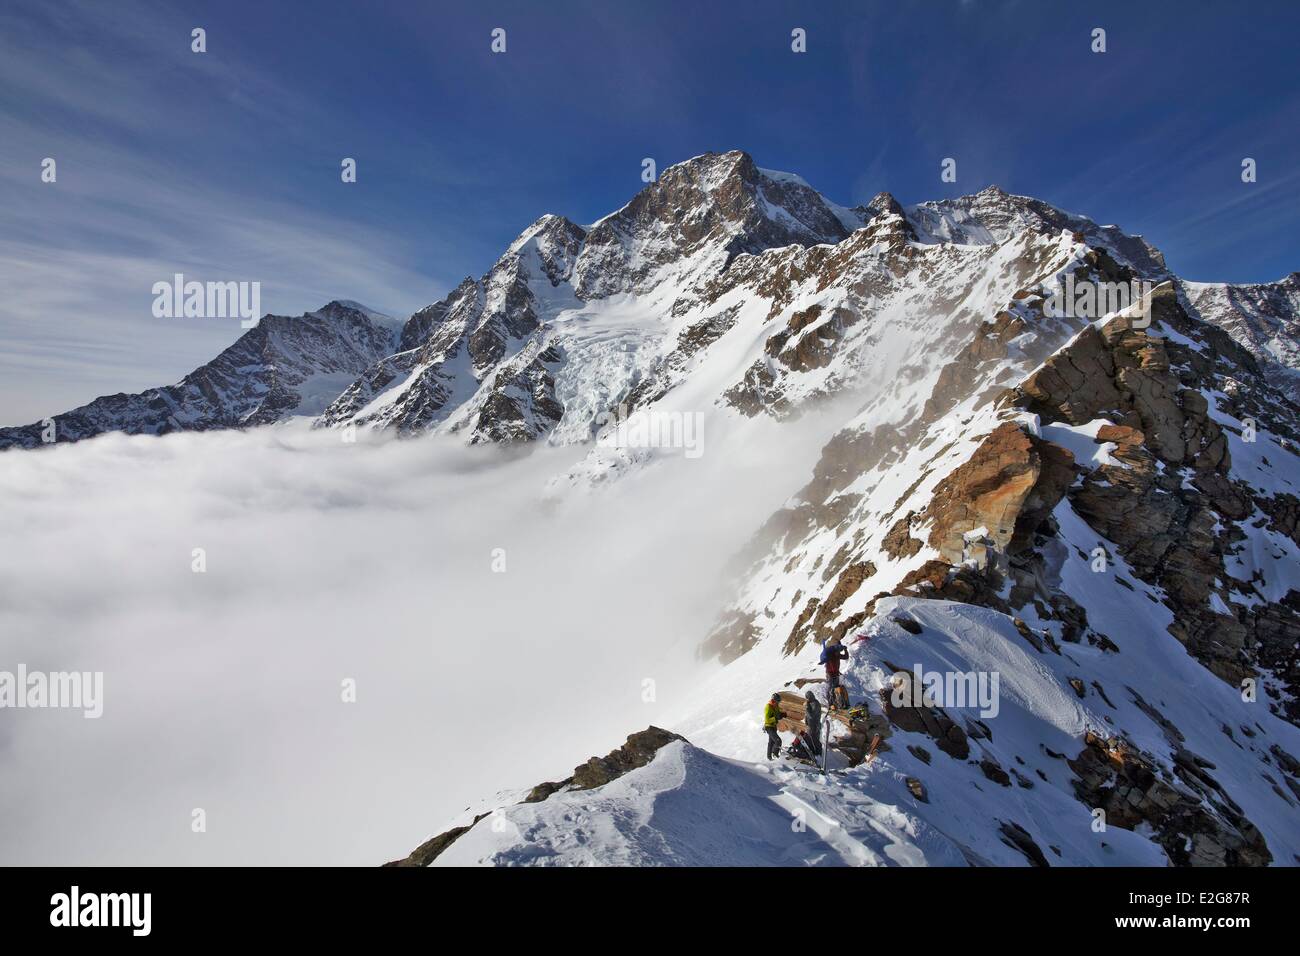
(772, 714)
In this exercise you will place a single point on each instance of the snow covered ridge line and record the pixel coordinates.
(208, 300)
(638, 751)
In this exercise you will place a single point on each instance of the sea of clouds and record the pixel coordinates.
(328, 561)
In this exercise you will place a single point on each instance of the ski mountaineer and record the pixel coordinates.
(771, 714)
(813, 719)
(831, 656)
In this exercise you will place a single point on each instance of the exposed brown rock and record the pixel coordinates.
(1075, 384)
(1008, 486)
(430, 849)
(638, 751)
(1170, 504)
(898, 543)
(939, 580)
(912, 714)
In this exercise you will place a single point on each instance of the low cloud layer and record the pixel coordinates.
(327, 561)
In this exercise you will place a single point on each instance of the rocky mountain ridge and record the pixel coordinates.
(282, 367)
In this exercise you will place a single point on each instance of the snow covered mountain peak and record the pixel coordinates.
(284, 366)
(549, 338)
(993, 215)
(344, 309)
(698, 215)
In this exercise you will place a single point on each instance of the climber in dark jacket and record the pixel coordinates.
(812, 717)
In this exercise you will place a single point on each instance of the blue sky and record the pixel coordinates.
(225, 165)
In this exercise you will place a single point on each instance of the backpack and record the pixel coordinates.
(799, 750)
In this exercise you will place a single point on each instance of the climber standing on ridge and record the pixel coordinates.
(831, 656)
(772, 714)
(812, 717)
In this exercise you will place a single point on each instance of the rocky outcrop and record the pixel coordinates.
(898, 542)
(430, 849)
(1006, 488)
(1169, 499)
(906, 708)
(1195, 822)
(815, 623)
(638, 751)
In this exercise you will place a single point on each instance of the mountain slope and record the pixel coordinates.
(1100, 514)
(1022, 789)
(1117, 732)
(1263, 317)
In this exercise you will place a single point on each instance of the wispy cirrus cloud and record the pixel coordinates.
(131, 206)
